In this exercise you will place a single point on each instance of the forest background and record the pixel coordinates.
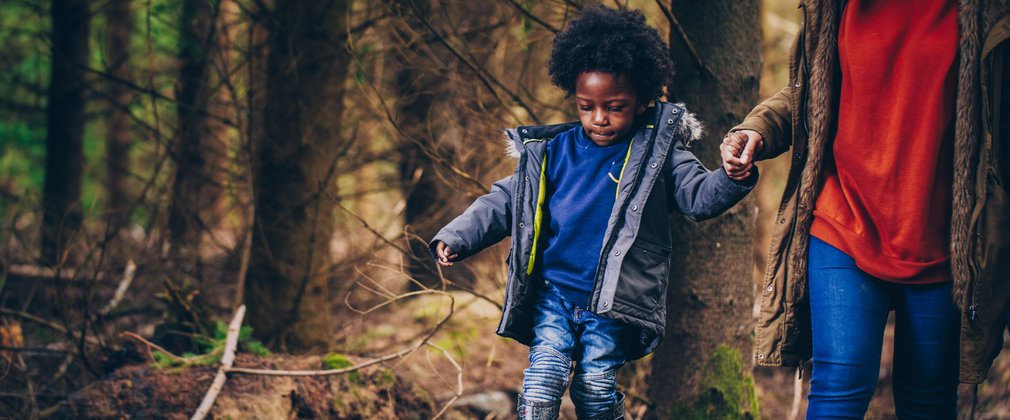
(172, 169)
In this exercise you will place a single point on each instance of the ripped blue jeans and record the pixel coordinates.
(563, 333)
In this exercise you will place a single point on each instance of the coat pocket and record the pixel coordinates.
(644, 275)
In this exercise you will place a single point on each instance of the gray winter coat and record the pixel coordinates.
(660, 175)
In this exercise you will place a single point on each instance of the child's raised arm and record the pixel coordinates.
(702, 194)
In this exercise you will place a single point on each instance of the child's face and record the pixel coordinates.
(607, 106)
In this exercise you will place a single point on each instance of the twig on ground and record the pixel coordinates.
(62, 370)
(124, 285)
(151, 345)
(37, 272)
(51, 325)
(794, 412)
(231, 343)
(459, 380)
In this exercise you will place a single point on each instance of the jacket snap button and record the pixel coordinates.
(524, 130)
(797, 84)
(606, 304)
(634, 208)
(527, 177)
(770, 288)
(782, 221)
(617, 253)
(522, 225)
(653, 165)
(675, 110)
(761, 356)
(669, 121)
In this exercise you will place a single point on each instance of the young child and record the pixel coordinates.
(587, 209)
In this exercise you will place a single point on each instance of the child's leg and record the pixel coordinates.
(594, 387)
(550, 357)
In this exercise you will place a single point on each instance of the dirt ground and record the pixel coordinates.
(425, 381)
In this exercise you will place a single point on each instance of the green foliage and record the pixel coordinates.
(339, 361)
(726, 390)
(213, 348)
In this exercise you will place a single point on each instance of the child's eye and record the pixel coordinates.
(585, 108)
(616, 108)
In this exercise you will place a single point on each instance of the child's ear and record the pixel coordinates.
(640, 109)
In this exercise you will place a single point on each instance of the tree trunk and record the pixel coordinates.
(61, 194)
(199, 176)
(296, 157)
(118, 28)
(702, 370)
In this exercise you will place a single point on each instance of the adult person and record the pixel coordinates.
(898, 115)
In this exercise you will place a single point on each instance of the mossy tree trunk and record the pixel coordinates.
(703, 368)
(61, 194)
(296, 155)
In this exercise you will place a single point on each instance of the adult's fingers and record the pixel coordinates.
(754, 143)
(728, 156)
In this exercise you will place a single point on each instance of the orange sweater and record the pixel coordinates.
(887, 186)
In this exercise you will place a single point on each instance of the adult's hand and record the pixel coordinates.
(755, 143)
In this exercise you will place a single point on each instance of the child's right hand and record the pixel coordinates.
(444, 254)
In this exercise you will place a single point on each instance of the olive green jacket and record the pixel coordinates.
(803, 115)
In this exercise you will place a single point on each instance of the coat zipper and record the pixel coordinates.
(594, 300)
(516, 204)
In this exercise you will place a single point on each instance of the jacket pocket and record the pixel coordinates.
(644, 276)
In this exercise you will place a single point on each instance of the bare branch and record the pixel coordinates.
(230, 344)
(532, 17)
(675, 24)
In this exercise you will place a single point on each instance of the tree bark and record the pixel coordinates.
(118, 28)
(702, 370)
(296, 157)
(61, 194)
(200, 154)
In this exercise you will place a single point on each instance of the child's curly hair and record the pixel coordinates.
(615, 42)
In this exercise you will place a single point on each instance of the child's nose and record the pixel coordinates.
(599, 118)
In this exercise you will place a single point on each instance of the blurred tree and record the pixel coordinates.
(423, 89)
(200, 152)
(118, 29)
(61, 194)
(296, 156)
(702, 370)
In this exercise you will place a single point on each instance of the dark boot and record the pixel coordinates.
(536, 410)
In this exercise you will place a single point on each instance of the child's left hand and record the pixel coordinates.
(732, 149)
(445, 255)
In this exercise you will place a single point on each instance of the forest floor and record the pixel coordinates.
(125, 382)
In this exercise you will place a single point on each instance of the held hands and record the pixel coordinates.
(445, 254)
(738, 149)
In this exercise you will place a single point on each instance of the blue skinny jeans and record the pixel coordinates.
(848, 311)
(563, 333)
